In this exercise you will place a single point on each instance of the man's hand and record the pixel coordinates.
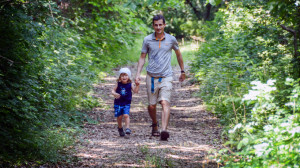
(182, 77)
(137, 81)
(140, 68)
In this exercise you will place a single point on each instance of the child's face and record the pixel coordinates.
(124, 78)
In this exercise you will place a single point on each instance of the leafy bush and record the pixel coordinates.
(245, 50)
(241, 51)
(50, 57)
(272, 137)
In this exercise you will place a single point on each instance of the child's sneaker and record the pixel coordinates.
(121, 131)
(128, 131)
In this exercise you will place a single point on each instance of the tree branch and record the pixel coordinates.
(10, 61)
(288, 29)
(296, 53)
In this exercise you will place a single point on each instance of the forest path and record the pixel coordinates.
(193, 131)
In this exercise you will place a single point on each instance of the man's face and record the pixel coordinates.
(159, 26)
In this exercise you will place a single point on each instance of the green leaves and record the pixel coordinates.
(214, 2)
(235, 67)
(48, 68)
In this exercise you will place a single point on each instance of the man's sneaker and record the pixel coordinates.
(121, 131)
(128, 131)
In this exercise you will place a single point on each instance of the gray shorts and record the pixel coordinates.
(161, 90)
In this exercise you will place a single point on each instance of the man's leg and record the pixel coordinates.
(152, 113)
(165, 115)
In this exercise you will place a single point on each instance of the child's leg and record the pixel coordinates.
(118, 114)
(126, 115)
(119, 120)
(127, 120)
(120, 128)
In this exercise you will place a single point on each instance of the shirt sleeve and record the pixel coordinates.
(145, 46)
(175, 44)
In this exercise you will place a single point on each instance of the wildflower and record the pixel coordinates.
(290, 104)
(285, 124)
(252, 95)
(294, 130)
(289, 79)
(260, 149)
(268, 128)
(271, 82)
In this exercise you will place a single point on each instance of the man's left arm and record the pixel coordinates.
(181, 64)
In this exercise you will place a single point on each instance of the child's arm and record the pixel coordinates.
(114, 93)
(135, 87)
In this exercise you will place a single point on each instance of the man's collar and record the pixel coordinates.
(154, 38)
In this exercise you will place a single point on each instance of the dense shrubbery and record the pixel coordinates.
(271, 137)
(248, 49)
(50, 57)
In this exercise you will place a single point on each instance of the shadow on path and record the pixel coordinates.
(193, 132)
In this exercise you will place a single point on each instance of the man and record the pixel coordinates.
(159, 78)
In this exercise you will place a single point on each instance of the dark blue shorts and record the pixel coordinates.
(120, 110)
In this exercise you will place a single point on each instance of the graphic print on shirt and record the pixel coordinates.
(123, 91)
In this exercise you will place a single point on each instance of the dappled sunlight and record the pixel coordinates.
(192, 130)
(110, 85)
(109, 78)
(190, 47)
(184, 108)
(191, 100)
(127, 164)
(87, 155)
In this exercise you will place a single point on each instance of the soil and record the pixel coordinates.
(194, 133)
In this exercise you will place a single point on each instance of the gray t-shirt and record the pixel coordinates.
(159, 54)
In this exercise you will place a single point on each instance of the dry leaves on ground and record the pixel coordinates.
(195, 133)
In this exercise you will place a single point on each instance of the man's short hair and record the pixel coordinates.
(158, 17)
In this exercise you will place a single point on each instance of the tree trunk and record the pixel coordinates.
(208, 9)
(296, 53)
(197, 13)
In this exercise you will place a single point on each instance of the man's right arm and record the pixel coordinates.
(140, 67)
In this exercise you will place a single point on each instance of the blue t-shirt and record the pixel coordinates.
(126, 94)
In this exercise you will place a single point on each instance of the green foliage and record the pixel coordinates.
(181, 19)
(245, 47)
(188, 53)
(155, 159)
(214, 2)
(272, 137)
(51, 54)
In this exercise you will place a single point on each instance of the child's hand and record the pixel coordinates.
(117, 95)
(137, 83)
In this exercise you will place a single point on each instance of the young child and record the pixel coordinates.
(123, 95)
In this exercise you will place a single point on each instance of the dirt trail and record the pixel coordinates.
(193, 132)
